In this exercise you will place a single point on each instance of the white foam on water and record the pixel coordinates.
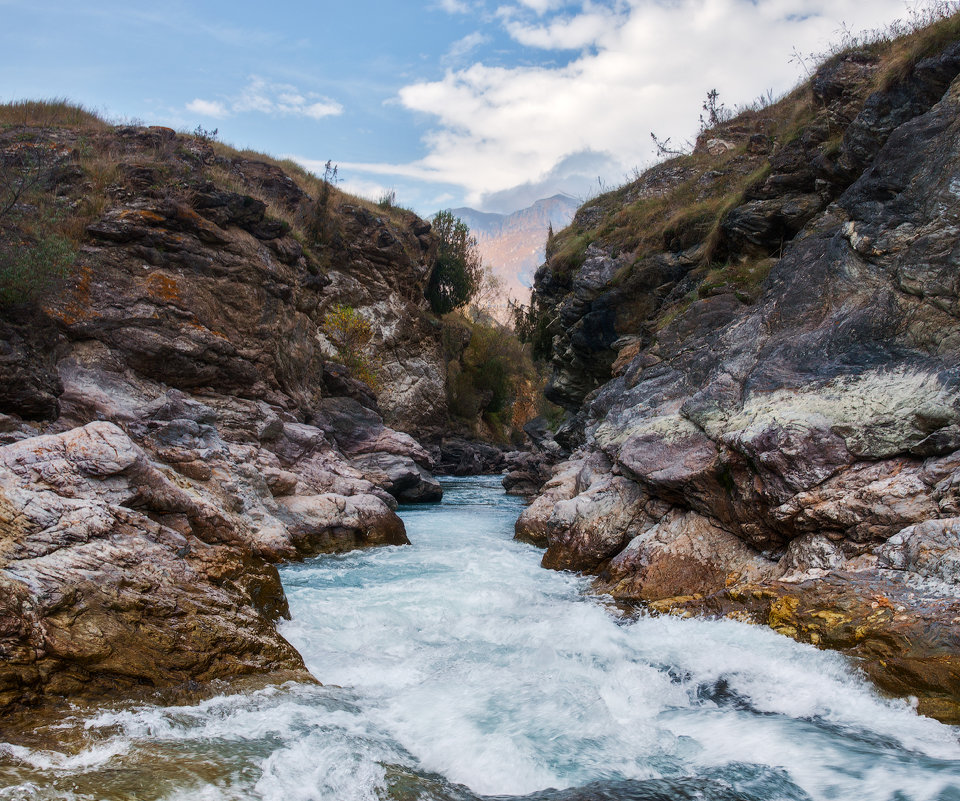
(28, 791)
(460, 658)
(207, 793)
(314, 768)
(502, 676)
(43, 759)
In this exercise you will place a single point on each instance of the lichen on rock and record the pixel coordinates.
(760, 342)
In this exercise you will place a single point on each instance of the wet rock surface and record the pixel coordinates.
(461, 457)
(784, 452)
(116, 577)
(173, 423)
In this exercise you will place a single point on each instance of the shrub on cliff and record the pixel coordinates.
(458, 272)
(33, 251)
(350, 333)
(27, 267)
(491, 379)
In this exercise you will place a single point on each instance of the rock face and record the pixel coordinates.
(114, 576)
(381, 269)
(460, 457)
(526, 472)
(768, 404)
(174, 426)
(388, 458)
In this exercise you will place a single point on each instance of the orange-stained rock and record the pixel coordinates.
(905, 638)
(100, 594)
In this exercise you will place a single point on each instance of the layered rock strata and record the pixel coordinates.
(785, 453)
(173, 426)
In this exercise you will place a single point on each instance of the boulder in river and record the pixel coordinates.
(116, 577)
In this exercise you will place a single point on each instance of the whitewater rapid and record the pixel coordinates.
(457, 668)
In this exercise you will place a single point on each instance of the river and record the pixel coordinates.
(457, 668)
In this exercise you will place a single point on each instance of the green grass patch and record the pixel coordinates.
(743, 277)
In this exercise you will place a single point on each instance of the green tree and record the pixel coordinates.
(458, 272)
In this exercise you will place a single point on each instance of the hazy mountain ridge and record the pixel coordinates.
(513, 245)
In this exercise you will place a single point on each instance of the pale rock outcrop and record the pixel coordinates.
(330, 523)
(531, 526)
(593, 525)
(930, 549)
(526, 472)
(116, 577)
(382, 271)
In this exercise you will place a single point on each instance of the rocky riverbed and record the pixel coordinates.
(456, 669)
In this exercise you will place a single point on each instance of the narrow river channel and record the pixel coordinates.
(457, 668)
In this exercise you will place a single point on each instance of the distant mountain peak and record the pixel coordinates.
(513, 244)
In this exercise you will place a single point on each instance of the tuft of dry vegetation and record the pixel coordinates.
(634, 220)
(928, 27)
(53, 113)
(927, 33)
(676, 211)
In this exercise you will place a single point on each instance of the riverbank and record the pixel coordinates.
(456, 668)
(757, 343)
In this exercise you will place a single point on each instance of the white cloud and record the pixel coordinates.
(207, 108)
(462, 48)
(644, 66)
(539, 6)
(564, 33)
(415, 170)
(578, 174)
(266, 97)
(371, 190)
(454, 6)
(280, 98)
(327, 108)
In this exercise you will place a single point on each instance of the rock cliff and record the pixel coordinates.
(172, 422)
(760, 341)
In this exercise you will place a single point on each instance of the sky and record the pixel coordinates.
(484, 103)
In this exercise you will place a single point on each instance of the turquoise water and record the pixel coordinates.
(457, 668)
